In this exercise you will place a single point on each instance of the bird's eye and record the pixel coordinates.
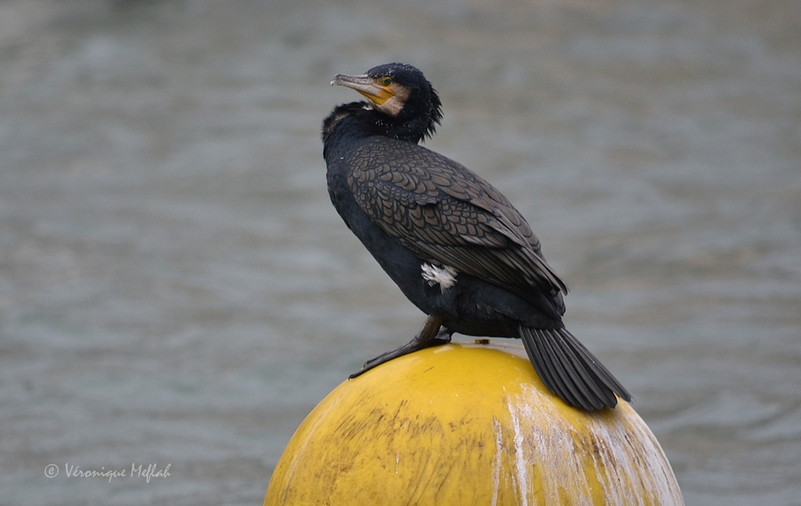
(386, 81)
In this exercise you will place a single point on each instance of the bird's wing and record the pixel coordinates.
(447, 214)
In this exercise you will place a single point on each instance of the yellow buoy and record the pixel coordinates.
(467, 424)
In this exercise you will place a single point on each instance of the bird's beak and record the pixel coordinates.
(366, 86)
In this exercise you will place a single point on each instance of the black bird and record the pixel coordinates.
(453, 244)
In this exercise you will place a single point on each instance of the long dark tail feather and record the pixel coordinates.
(569, 370)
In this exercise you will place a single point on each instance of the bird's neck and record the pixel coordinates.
(357, 120)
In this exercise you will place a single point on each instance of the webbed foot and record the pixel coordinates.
(430, 335)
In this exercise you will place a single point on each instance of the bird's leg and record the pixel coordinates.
(428, 336)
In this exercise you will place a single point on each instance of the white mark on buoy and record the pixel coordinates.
(496, 470)
(619, 458)
(549, 444)
(520, 460)
(621, 450)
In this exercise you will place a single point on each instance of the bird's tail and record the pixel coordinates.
(569, 370)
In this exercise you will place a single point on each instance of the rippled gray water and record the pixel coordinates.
(175, 287)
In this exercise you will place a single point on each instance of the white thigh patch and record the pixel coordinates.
(443, 276)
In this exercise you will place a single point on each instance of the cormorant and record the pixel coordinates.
(453, 243)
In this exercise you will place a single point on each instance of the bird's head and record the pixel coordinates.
(401, 93)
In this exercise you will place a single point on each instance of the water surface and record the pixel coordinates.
(175, 287)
